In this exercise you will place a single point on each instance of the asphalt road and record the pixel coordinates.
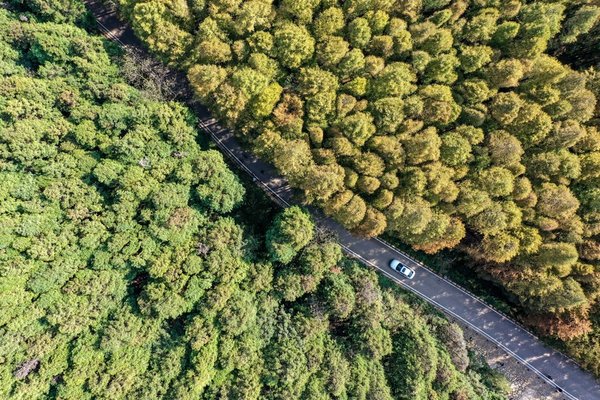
(550, 365)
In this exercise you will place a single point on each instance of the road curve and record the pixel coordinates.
(555, 368)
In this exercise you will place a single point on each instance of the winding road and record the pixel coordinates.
(550, 365)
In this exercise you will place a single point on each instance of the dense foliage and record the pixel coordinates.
(444, 123)
(127, 270)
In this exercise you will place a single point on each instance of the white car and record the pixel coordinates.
(403, 269)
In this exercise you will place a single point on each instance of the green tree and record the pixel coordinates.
(430, 38)
(473, 58)
(388, 113)
(301, 11)
(331, 50)
(359, 33)
(556, 201)
(252, 16)
(389, 148)
(151, 21)
(328, 22)
(454, 149)
(441, 69)
(580, 23)
(505, 73)
(556, 165)
(220, 189)
(263, 104)
(472, 200)
(291, 231)
(358, 127)
(439, 106)
(481, 27)
(504, 148)
(57, 10)
(293, 158)
(205, 79)
(213, 51)
(347, 208)
(497, 181)
(339, 295)
(423, 147)
(395, 80)
(293, 45)
(499, 248)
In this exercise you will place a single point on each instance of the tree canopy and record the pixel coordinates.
(136, 264)
(472, 115)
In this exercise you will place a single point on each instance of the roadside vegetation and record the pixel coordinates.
(133, 265)
(445, 124)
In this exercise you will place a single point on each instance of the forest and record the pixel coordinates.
(470, 125)
(134, 264)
